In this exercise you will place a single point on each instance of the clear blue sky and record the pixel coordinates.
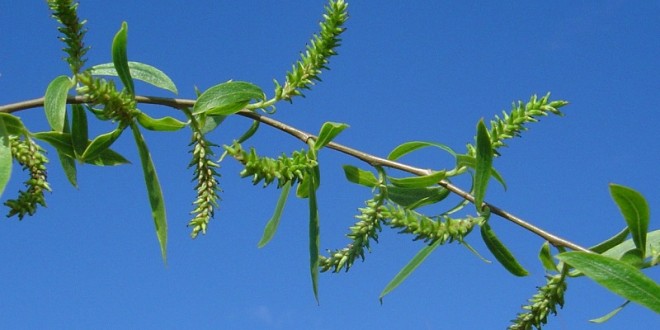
(423, 70)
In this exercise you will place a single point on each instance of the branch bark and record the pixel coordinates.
(304, 136)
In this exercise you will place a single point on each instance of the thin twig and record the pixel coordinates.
(304, 136)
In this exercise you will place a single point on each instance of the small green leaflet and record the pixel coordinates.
(616, 252)
(13, 124)
(546, 258)
(408, 269)
(165, 124)
(419, 181)
(120, 58)
(408, 147)
(635, 211)
(359, 176)
(79, 131)
(617, 276)
(154, 191)
(5, 156)
(60, 141)
(483, 166)
(501, 253)
(227, 98)
(101, 143)
(55, 101)
(274, 222)
(412, 198)
(610, 315)
(328, 132)
(611, 242)
(139, 71)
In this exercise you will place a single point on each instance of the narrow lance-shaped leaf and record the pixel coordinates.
(359, 176)
(165, 124)
(412, 198)
(483, 166)
(274, 222)
(408, 269)
(139, 71)
(120, 58)
(55, 101)
(419, 181)
(501, 253)
(154, 191)
(328, 132)
(408, 147)
(101, 143)
(314, 234)
(79, 129)
(227, 98)
(611, 314)
(546, 258)
(617, 276)
(69, 162)
(611, 242)
(635, 211)
(5, 156)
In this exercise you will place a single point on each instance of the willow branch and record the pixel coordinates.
(304, 136)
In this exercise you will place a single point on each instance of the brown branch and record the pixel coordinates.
(304, 136)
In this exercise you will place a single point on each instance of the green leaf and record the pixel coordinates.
(546, 258)
(5, 156)
(100, 143)
(419, 181)
(408, 147)
(360, 176)
(63, 144)
(501, 253)
(302, 191)
(139, 71)
(274, 222)
(610, 315)
(209, 123)
(120, 58)
(79, 132)
(328, 132)
(165, 124)
(13, 124)
(616, 252)
(314, 235)
(408, 269)
(108, 157)
(412, 198)
(611, 242)
(55, 101)
(617, 276)
(248, 134)
(60, 141)
(227, 98)
(465, 160)
(635, 210)
(154, 191)
(483, 166)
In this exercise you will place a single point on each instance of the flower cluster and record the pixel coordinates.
(64, 11)
(544, 302)
(31, 157)
(207, 185)
(511, 125)
(428, 229)
(316, 57)
(284, 169)
(362, 232)
(117, 106)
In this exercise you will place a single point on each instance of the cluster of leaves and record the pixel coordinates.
(396, 202)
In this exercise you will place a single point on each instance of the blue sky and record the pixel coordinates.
(425, 70)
